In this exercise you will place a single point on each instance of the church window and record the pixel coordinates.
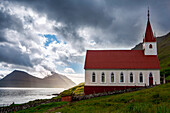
(131, 77)
(103, 77)
(121, 77)
(93, 77)
(150, 46)
(141, 78)
(112, 77)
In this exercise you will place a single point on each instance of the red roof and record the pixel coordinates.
(149, 37)
(120, 59)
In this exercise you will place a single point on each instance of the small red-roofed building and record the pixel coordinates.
(109, 70)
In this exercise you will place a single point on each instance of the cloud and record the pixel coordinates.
(121, 22)
(69, 70)
(1, 76)
(13, 56)
(76, 26)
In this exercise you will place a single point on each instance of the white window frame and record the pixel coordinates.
(114, 77)
(101, 77)
(95, 77)
(123, 77)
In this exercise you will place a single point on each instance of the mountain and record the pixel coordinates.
(163, 44)
(57, 80)
(23, 79)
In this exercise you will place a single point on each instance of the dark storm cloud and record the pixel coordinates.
(8, 22)
(77, 13)
(70, 35)
(2, 37)
(105, 15)
(9, 50)
(12, 55)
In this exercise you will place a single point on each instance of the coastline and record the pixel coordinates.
(24, 95)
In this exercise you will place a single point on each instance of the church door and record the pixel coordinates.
(150, 79)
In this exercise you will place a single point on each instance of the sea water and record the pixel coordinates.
(23, 95)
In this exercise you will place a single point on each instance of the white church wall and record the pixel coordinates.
(126, 73)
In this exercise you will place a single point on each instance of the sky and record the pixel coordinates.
(46, 36)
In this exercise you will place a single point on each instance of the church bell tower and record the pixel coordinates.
(149, 42)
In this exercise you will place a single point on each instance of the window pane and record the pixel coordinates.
(131, 78)
(141, 78)
(112, 78)
(103, 78)
(121, 78)
(93, 78)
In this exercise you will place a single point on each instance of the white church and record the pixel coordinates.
(109, 70)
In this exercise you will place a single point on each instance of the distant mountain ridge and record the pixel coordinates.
(22, 79)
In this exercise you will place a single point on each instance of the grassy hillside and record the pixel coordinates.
(76, 90)
(152, 100)
(164, 54)
(43, 108)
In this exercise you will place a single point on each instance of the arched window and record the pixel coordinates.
(131, 77)
(150, 75)
(150, 46)
(103, 77)
(93, 77)
(112, 77)
(141, 77)
(121, 77)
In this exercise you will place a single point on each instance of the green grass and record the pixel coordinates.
(168, 78)
(57, 97)
(164, 55)
(50, 107)
(152, 100)
(76, 90)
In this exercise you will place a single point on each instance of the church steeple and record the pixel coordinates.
(149, 42)
(149, 37)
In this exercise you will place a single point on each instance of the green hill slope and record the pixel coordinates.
(152, 100)
(76, 90)
(164, 53)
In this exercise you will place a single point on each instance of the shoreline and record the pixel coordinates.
(25, 95)
(34, 103)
